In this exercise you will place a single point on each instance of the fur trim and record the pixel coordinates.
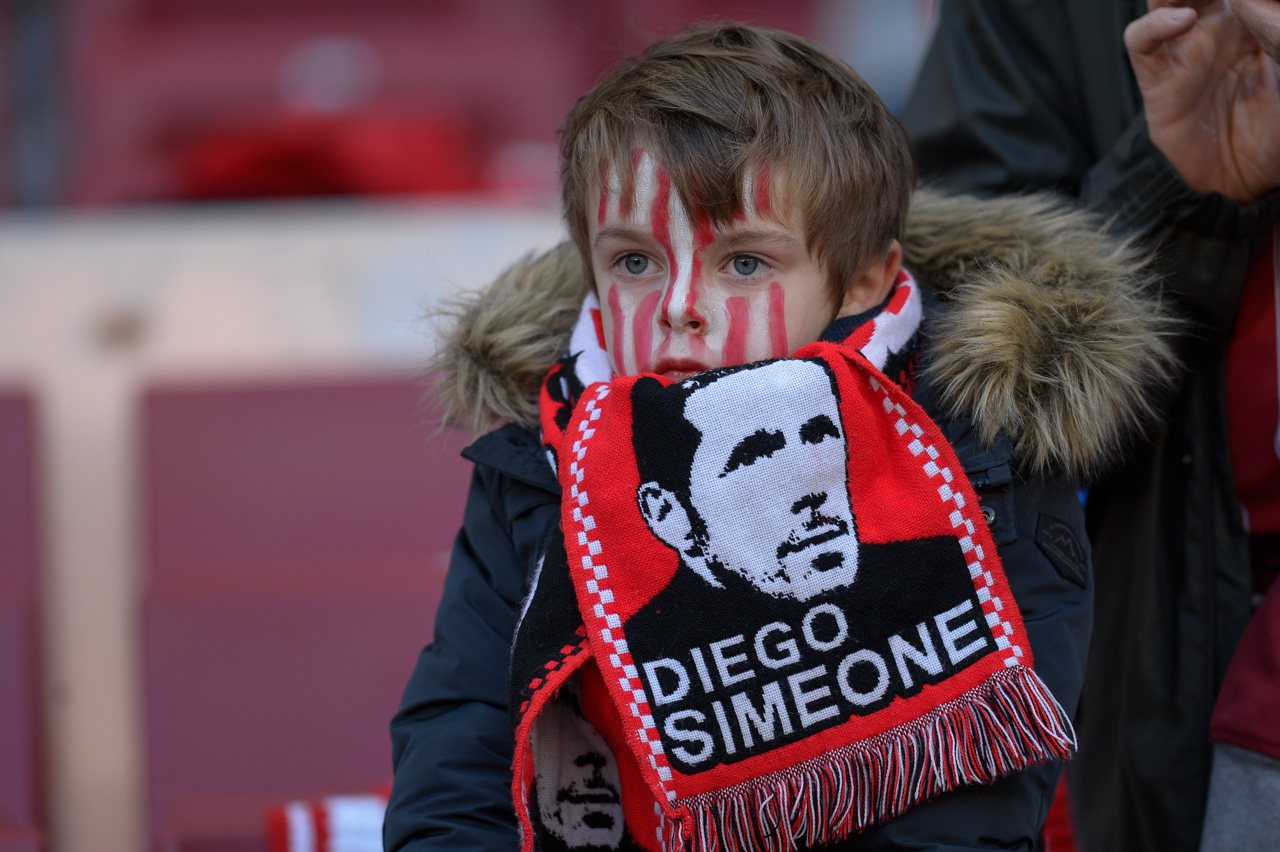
(1055, 332)
(492, 362)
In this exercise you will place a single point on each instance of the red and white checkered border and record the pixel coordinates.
(961, 517)
(596, 571)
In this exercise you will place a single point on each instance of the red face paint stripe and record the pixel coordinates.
(777, 321)
(704, 232)
(598, 320)
(618, 321)
(735, 343)
(695, 274)
(660, 217)
(642, 331)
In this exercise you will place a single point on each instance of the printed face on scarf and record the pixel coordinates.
(578, 785)
(680, 295)
(768, 482)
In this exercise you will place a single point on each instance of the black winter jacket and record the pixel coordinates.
(451, 736)
(451, 742)
(1036, 94)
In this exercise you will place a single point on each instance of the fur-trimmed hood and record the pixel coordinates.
(1054, 334)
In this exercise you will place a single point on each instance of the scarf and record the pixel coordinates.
(772, 614)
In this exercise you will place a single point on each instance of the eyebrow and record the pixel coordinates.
(730, 239)
(737, 238)
(617, 233)
(759, 444)
(815, 429)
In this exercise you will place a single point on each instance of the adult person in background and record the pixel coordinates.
(1181, 146)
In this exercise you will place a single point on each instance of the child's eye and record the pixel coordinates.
(745, 265)
(635, 264)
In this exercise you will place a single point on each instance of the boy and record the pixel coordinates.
(780, 588)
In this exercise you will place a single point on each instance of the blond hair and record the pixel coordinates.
(723, 104)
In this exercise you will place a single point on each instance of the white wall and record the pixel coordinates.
(94, 306)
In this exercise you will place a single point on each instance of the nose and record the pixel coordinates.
(680, 310)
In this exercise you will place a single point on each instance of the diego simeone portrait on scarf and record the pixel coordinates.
(801, 625)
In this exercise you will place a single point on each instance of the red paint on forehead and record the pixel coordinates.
(704, 232)
(660, 212)
(764, 207)
(777, 321)
(618, 320)
(735, 343)
(642, 331)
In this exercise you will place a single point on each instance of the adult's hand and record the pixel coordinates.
(1262, 17)
(1211, 95)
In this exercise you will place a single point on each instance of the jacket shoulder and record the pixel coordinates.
(515, 452)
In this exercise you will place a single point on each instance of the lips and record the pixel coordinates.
(836, 527)
(679, 369)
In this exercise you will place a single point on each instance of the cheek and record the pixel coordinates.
(613, 322)
(755, 327)
(628, 329)
(738, 318)
(778, 321)
(597, 319)
(798, 317)
(642, 331)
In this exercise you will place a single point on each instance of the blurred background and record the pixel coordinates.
(224, 510)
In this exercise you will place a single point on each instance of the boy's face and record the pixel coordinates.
(680, 295)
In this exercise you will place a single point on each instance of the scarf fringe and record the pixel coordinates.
(1001, 726)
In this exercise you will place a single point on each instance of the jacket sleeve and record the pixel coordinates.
(1018, 95)
(451, 744)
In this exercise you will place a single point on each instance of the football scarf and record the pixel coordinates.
(772, 614)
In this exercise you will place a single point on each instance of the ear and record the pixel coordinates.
(873, 284)
(669, 521)
(665, 515)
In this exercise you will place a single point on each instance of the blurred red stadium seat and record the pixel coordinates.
(297, 538)
(152, 84)
(21, 811)
(366, 152)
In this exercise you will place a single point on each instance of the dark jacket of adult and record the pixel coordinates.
(1031, 399)
(1039, 94)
